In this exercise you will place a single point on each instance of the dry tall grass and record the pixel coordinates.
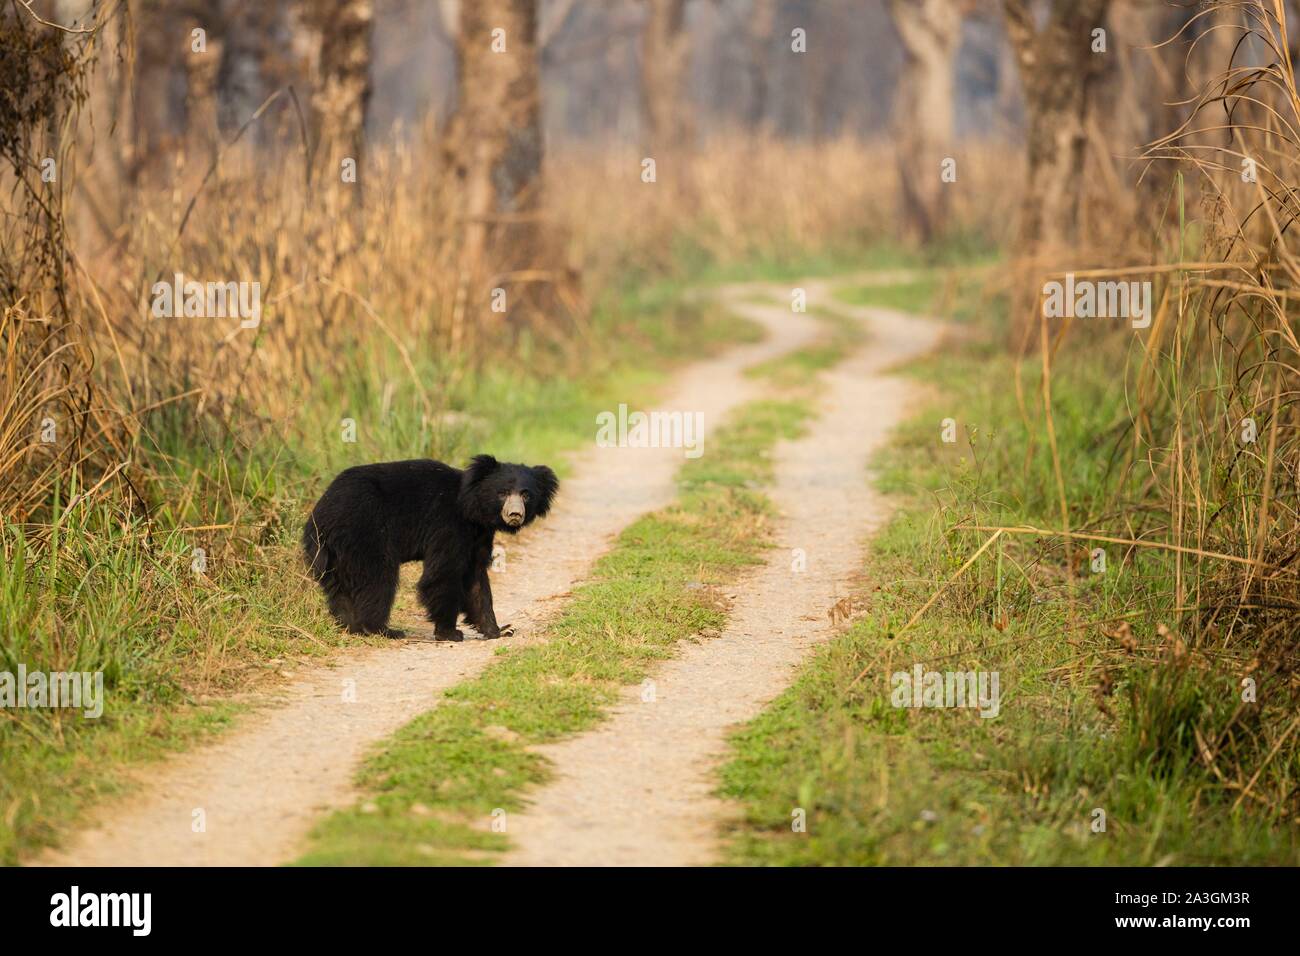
(336, 283)
(47, 402)
(1226, 460)
(1207, 468)
(744, 197)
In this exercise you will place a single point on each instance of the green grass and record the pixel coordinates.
(697, 265)
(104, 591)
(882, 785)
(1085, 723)
(785, 268)
(916, 295)
(100, 596)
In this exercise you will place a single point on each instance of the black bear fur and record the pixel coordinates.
(374, 518)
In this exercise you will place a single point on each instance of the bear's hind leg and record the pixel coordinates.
(340, 607)
(325, 569)
(343, 609)
(372, 601)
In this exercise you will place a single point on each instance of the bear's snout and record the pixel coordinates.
(512, 512)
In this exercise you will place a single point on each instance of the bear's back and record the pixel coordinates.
(401, 488)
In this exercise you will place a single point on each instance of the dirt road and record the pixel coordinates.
(639, 789)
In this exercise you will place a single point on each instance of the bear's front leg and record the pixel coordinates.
(440, 594)
(479, 612)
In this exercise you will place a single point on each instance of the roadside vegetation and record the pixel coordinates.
(187, 611)
(1113, 710)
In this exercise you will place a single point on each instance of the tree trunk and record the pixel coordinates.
(923, 114)
(256, 51)
(203, 118)
(760, 37)
(158, 81)
(1058, 72)
(239, 86)
(665, 56)
(342, 92)
(493, 151)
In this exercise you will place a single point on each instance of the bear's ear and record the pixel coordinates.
(547, 485)
(480, 467)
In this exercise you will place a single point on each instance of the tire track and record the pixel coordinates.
(640, 789)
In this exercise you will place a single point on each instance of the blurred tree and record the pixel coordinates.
(239, 86)
(665, 57)
(159, 83)
(341, 94)
(759, 37)
(1291, 21)
(1160, 99)
(923, 113)
(555, 17)
(1058, 73)
(256, 59)
(493, 150)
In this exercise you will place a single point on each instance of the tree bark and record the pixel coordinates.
(923, 114)
(760, 37)
(256, 41)
(342, 93)
(665, 56)
(1058, 73)
(158, 86)
(493, 150)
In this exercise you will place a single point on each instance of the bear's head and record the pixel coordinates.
(504, 496)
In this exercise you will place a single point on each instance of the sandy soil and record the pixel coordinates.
(263, 784)
(639, 789)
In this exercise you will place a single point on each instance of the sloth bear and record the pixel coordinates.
(373, 518)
